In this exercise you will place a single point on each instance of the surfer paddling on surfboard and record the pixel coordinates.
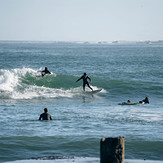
(85, 82)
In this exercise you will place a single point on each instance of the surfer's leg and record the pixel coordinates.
(83, 86)
(89, 86)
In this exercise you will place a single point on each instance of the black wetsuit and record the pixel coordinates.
(146, 101)
(85, 82)
(44, 72)
(45, 116)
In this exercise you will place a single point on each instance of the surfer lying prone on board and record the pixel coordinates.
(145, 101)
(128, 103)
(85, 82)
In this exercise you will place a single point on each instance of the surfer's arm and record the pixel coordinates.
(40, 117)
(89, 79)
(49, 72)
(43, 72)
(79, 79)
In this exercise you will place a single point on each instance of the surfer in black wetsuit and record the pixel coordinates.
(85, 82)
(45, 115)
(145, 101)
(46, 71)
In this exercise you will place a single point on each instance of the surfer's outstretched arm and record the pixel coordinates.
(79, 79)
(48, 72)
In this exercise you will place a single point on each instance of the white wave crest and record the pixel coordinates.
(9, 79)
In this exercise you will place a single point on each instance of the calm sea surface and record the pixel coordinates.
(80, 120)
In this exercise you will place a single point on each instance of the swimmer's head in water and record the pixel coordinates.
(46, 110)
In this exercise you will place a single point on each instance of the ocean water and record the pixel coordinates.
(80, 120)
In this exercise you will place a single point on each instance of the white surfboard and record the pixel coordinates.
(94, 91)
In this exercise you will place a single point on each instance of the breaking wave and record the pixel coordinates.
(27, 83)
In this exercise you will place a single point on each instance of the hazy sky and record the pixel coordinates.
(81, 20)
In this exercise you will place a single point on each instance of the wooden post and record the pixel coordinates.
(112, 150)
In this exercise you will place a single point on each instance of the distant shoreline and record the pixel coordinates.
(85, 42)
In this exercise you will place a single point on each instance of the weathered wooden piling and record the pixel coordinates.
(112, 150)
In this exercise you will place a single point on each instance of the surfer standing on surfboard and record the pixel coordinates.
(85, 82)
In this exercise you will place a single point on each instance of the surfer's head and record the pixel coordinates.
(46, 110)
(85, 74)
(46, 68)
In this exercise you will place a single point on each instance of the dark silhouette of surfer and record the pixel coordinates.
(45, 115)
(85, 82)
(44, 72)
(145, 101)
